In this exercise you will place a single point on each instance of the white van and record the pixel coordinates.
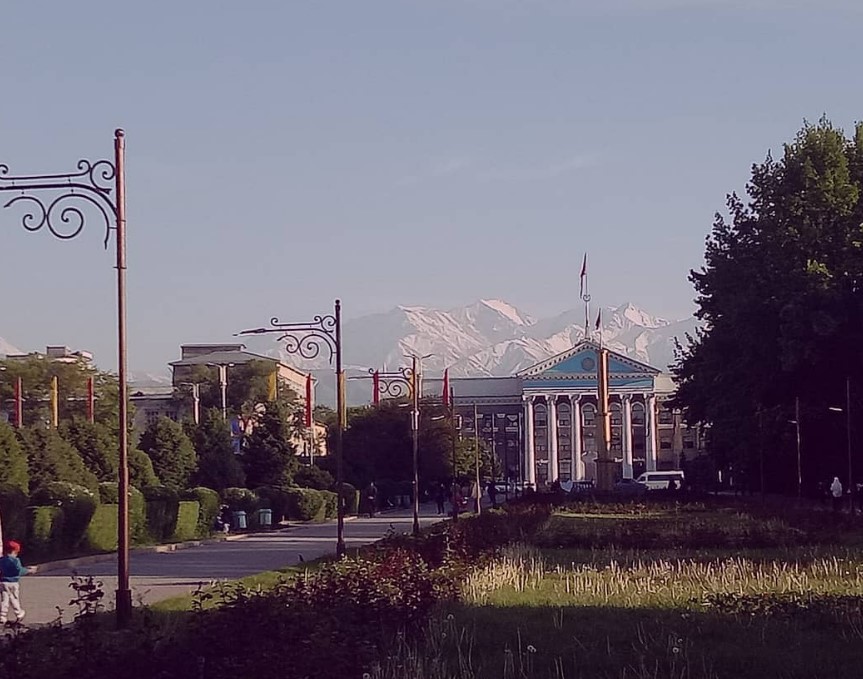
(660, 480)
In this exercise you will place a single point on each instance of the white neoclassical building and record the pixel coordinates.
(542, 423)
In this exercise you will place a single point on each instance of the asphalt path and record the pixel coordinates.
(161, 575)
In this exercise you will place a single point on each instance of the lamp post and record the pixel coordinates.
(62, 204)
(223, 385)
(847, 411)
(305, 339)
(416, 371)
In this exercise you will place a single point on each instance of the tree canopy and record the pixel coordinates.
(218, 467)
(171, 452)
(781, 297)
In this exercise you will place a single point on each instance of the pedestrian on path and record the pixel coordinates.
(836, 492)
(11, 571)
(440, 497)
(371, 498)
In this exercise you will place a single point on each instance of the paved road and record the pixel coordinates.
(157, 576)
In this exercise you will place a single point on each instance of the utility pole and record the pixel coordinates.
(799, 461)
(848, 432)
(454, 435)
(415, 429)
(476, 454)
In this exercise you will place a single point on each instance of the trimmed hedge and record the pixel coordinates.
(13, 508)
(305, 504)
(101, 535)
(78, 504)
(163, 505)
(109, 493)
(208, 509)
(187, 521)
(44, 529)
(276, 499)
(331, 504)
(240, 500)
(350, 498)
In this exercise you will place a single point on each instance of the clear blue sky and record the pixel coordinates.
(282, 153)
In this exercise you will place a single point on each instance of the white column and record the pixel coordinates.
(529, 453)
(650, 414)
(553, 473)
(626, 439)
(577, 461)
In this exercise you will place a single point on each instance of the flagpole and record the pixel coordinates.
(585, 296)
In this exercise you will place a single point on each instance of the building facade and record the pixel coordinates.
(542, 424)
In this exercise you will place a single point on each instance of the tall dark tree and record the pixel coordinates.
(218, 466)
(52, 458)
(171, 452)
(96, 444)
(13, 460)
(781, 296)
(269, 456)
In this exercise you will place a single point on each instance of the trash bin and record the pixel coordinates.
(265, 518)
(240, 520)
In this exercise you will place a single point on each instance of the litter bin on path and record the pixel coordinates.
(240, 520)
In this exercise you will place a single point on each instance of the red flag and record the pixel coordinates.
(376, 388)
(445, 395)
(583, 277)
(310, 398)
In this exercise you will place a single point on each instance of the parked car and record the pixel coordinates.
(661, 480)
(630, 487)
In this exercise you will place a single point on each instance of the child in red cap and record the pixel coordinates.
(11, 571)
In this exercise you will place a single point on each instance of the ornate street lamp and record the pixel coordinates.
(306, 339)
(62, 204)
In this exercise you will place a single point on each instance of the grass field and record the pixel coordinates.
(654, 593)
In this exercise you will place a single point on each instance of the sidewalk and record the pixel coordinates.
(161, 572)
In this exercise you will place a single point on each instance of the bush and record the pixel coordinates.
(13, 509)
(331, 504)
(305, 504)
(44, 529)
(137, 515)
(186, 526)
(109, 492)
(240, 500)
(78, 504)
(141, 472)
(276, 499)
(101, 535)
(209, 504)
(163, 504)
(309, 476)
(350, 498)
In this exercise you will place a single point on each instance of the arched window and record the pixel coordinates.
(588, 415)
(564, 415)
(616, 414)
(638, 414)
(540, 415)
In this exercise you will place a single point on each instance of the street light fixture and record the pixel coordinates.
(61, 204)
(306, 339)
(416, 372)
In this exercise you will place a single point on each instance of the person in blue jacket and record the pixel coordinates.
(11, 571)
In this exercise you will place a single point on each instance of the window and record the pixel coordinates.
(638, 414)
(588, 415)
(540, 415)
(665, 416)
(665, 441)
(688, 440)
(616, 415)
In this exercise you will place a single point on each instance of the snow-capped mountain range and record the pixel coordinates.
(492, 337)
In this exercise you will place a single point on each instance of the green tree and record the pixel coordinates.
(269, 457)
(141, 472)
(51, 458)
(218, 466)
(781, 297)
(13, 461)
(171, 452)
(96, 444)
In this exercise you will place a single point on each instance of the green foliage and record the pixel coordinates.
(96, 444)
(309, 476)
(13, 460)
(13, 510)
(209, 504)
(50, 458)
(188, 515)
(109, 494)
(78, 504)
(240, 499)
(350, 498)
(305, 504)
(171, 452)
(163, 505)
(781, 298)
(270, 458)
(331, 504)
(44, 529)
(276, 499)
(101, 534)
(141, 472)
(218, 466)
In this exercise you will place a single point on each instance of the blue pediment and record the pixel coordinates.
(579, 363)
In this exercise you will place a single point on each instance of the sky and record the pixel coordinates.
(284, 153)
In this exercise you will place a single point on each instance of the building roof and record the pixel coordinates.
(233, 357)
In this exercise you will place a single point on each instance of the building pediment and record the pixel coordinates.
(579, 363)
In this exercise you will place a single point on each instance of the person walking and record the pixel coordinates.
(371, 498)
(11, 571)
(492, 493)
(836, 492)
(440, 498)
